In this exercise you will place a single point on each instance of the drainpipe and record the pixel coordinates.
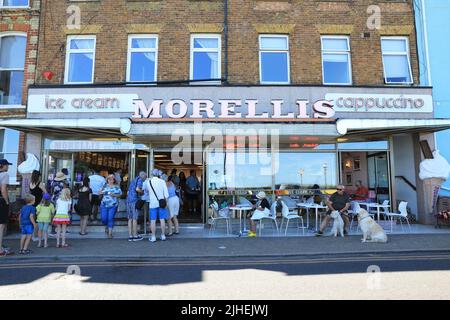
(225, 30)
(425, 37)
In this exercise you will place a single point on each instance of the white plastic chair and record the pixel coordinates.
(385, 209)
(288, 216)
(399, 216)
(354, 213)
(219, 215)
(272, 217)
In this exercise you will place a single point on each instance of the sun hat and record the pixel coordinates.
(47, 196)
(60, 176)
(156, 173)
(261, 195)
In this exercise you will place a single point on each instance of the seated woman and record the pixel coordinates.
(262, 210)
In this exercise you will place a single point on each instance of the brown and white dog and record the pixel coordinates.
(372, 231)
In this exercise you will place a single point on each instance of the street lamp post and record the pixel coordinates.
(301, 172)
(325, 167)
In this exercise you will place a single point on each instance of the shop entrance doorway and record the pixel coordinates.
(189, 179)
(370, 169)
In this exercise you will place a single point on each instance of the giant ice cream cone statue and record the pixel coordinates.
(433, 172)
(26, 168)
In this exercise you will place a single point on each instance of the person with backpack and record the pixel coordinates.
(135, 205)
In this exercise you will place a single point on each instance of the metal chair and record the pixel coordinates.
(272, 217)
(399, 216)
(219, 215)
(288, 216)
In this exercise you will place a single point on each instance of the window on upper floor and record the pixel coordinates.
(205, 57)
(396, 63)
(142, 58)
(14, 3)
(274, 59)
(80, 60)
(12, 62)
(336, 60)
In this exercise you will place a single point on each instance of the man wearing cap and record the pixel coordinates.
(262, 210)
(157, 190)
(4, 203)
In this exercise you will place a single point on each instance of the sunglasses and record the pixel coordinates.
(340, 189)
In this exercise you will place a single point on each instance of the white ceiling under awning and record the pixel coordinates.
(390, 126)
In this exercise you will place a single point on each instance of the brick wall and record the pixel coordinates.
(174, 20)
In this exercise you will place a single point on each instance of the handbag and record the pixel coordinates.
(162, 202)
(139, 204)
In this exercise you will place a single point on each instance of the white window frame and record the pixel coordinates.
(347, 52)
(2, 6)
(406, 39)
(69, 51)
(13, 34)
(193, 50)
(131, 50)
(274, 51)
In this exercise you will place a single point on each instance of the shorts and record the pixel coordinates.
(95, 200)
(4, 212)
(155, 212)
(27, 229)
(43, 226)
(132, 212)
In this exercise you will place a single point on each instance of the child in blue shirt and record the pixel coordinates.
(27, 224)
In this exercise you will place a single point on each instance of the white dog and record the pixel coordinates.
(338, 224)
(372, 232)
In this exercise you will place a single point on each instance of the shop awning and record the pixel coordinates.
(382, 127)
(78, 127)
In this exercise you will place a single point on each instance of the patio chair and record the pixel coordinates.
(272, 217)
(288, 216)
(219, 215)
(353, 213)
(385, 209)
(403, 214)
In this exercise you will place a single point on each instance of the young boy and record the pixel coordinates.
(27, 224)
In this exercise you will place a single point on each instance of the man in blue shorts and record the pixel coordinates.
(157, 190)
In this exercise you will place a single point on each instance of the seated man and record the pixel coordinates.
(339, 201)
(361, 193)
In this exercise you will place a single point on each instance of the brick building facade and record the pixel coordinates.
(18, 19)
(304, 21)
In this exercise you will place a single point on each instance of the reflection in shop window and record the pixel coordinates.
(9, 147)
(304, 170)
(250, 171)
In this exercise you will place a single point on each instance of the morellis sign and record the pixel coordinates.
(229, 104)
(229, 109)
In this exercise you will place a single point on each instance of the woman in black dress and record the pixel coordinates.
(37, 187)
(84, 207)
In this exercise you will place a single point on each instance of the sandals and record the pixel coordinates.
(65, 245)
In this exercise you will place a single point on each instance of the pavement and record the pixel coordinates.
(192, 248)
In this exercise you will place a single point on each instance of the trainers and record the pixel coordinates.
(163, 237)
(138, 238)
(319, 233)
(130, 239)
(251, 234)
(152, 239)
(6, 253)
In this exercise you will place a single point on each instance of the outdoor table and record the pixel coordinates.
(241, 210)
(308, 206)
(369, 205)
